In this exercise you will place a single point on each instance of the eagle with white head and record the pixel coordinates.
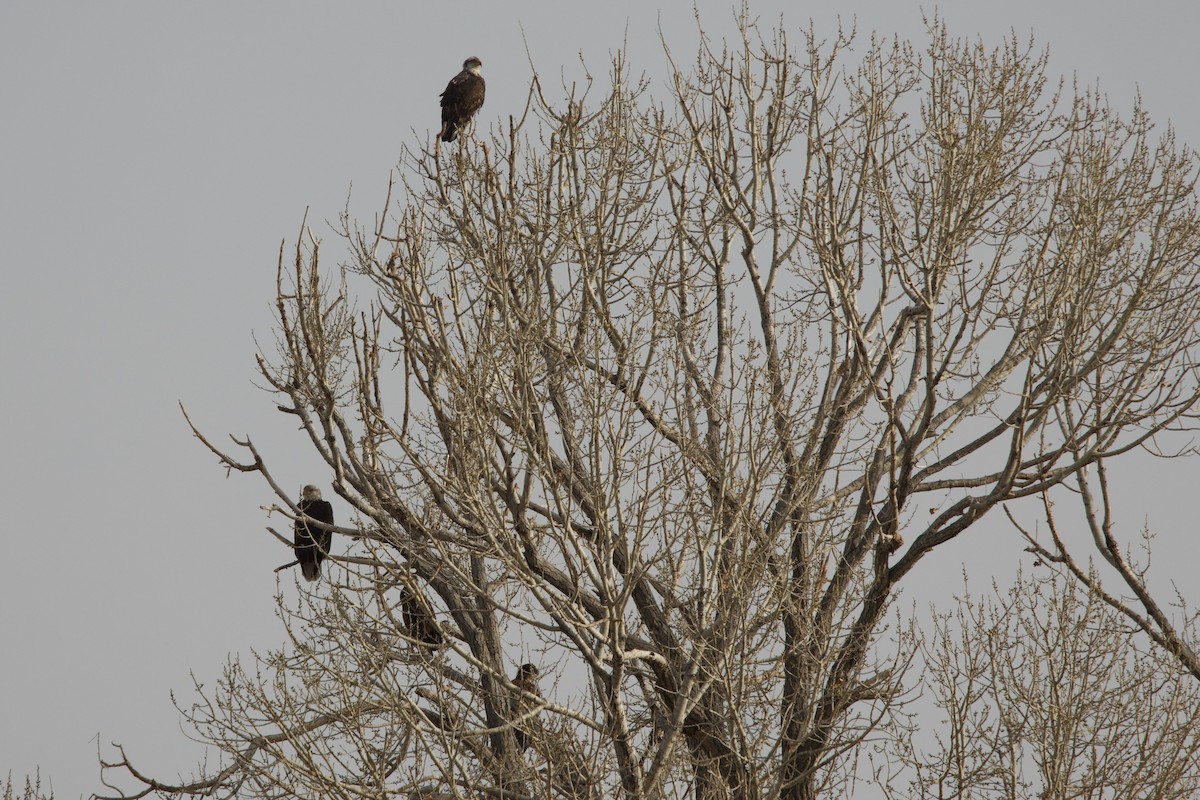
(462, 98)
(312, 542)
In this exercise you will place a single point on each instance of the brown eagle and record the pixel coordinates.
(312, 542)
(462, 98)
(417, 620)
(526, 680)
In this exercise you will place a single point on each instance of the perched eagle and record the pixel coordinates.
(462, 98)
(312, 543)
(525, 680)
(418, 622)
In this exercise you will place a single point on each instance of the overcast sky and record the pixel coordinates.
(152, 158)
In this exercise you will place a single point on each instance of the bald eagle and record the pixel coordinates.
(525, 680)
(462, 98)
(419, 624)
(312, 543)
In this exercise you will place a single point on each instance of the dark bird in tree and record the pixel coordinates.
(312, 542)
(417, 620)
(462, 98)
(525, 680)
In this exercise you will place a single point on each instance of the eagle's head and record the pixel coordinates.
(472, 64)
(311, 492)
(527, 674)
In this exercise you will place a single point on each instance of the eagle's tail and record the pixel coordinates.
(311, 570)
(448, 131)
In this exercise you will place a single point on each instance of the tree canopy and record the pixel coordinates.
(668, 396)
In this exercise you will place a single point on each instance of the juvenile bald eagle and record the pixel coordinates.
(526, 680)
(420, 625)
(462, 98)
(312, 543)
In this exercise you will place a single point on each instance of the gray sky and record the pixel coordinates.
(152, 158)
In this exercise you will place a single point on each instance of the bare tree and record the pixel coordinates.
(667, 399)
(1173, 631)
(32, 789)
(1043, 696)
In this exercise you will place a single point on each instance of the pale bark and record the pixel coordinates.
(673, 395)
